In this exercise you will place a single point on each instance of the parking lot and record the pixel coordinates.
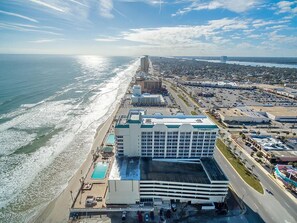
(224, 98)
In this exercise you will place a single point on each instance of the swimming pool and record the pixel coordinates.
(99, 171)
(110, 139)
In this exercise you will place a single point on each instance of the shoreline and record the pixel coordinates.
(58, 209)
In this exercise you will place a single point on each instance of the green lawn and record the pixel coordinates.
(239, 167)
(194, 113)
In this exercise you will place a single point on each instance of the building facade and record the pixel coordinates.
(171, 137)
(163, 158)
(145, 180)
(144, 64)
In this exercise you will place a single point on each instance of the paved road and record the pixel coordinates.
(272, 208)
(186, 109)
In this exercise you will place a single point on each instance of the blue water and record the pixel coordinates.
(110, 139)
(99, 171)
(50, 108)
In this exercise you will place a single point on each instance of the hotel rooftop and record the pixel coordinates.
(147, 169)
(139, 116)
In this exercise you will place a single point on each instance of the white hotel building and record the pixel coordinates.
(165, 158)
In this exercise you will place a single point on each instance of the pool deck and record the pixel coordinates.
(98, 189)
(99, 186)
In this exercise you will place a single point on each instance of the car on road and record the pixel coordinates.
(173, 206)
(146, 217)
(268, 191)
(124, 215)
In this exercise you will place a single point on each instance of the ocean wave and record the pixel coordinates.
(30, 180)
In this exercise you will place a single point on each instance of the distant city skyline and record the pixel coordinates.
(161, 28)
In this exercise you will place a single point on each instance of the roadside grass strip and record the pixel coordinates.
(214, 119)
(184, 100)
(245, 174)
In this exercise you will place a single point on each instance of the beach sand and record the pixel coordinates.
(58, 210)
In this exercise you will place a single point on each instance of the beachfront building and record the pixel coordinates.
(146, 180)
(160, 136)
(163, 158)
(146, 99)
(144, 63)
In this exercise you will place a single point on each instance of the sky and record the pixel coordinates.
(153, 27)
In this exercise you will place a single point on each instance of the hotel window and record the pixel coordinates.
(184, 144)
(146, 145)
(159, 144)
(171, 144)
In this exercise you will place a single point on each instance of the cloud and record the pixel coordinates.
(45, 40)
(150, 2)
(237, 6)
(19, 16)
(287, 7)
(28, 28)
(182, 35)
(79, 3)
(106, 39)
(260, 23)
(50, 6)
(106, 7)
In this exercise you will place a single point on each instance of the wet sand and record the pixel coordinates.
(58, 210)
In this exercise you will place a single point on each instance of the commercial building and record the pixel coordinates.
(219, 84)
(242, 115)
(146, 99)
(274, 149)
(278, 113)
(163, 158)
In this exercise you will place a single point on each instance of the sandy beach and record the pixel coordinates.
(58, 210)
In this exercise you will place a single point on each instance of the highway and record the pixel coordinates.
(278, 207)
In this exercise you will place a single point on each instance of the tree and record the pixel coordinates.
(240, 152)
(259, 154)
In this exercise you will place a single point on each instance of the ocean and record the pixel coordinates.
(50, 107)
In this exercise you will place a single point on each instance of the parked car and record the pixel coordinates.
(90, 201)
